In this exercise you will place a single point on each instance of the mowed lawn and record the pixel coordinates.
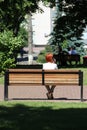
(25, 115)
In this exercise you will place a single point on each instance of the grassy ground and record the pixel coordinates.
(1, 80)
(84, 76)
(43, 116)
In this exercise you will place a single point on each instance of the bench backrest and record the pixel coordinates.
(43, 77)
(67, 57)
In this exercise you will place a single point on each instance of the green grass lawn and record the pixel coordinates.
(43, 116)
(84, 76)
(1, 80)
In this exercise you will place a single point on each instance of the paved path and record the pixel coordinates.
(61, 93)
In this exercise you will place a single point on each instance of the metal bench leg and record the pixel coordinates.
(81, 92)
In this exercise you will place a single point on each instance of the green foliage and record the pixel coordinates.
(12, 13)
(68, 28)
(78, 45)
(9, 48)
(41, 56)
(1, 80)
(24, 34)
(65, 44)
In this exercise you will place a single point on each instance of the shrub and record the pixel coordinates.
(9, 48)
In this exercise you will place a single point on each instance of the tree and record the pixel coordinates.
(69, 27)
(12, 13)
(24, 34)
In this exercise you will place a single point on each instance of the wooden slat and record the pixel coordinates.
(67, 76)
(25, 84)
(63, 79)
(25, 76)
(57, 82)
(25, 70)
(34, 76)
(62, 70)
(40, 70)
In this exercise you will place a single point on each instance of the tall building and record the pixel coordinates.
(42, 24)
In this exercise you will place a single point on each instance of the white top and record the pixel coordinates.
(49, 66)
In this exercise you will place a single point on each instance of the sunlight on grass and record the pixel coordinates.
(42, 116)
(1, 80)
(84, 76)
(50, 104)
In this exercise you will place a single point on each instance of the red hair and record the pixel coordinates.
(49, 57)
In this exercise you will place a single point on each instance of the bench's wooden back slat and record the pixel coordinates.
(64, 78)
(61, 81)
(25, 70)
(50, 77)
(27, 78)
(61, 76)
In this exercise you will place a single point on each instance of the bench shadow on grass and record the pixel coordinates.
(21, 117)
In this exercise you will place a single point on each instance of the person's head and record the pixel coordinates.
(49, 57)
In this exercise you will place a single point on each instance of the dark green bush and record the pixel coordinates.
(9, 48)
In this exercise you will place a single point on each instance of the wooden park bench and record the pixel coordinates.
(67, 58)
(33, 77)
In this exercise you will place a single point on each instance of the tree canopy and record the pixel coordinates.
(70, 24)
(12, 13)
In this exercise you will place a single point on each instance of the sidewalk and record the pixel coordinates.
(38, 93)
